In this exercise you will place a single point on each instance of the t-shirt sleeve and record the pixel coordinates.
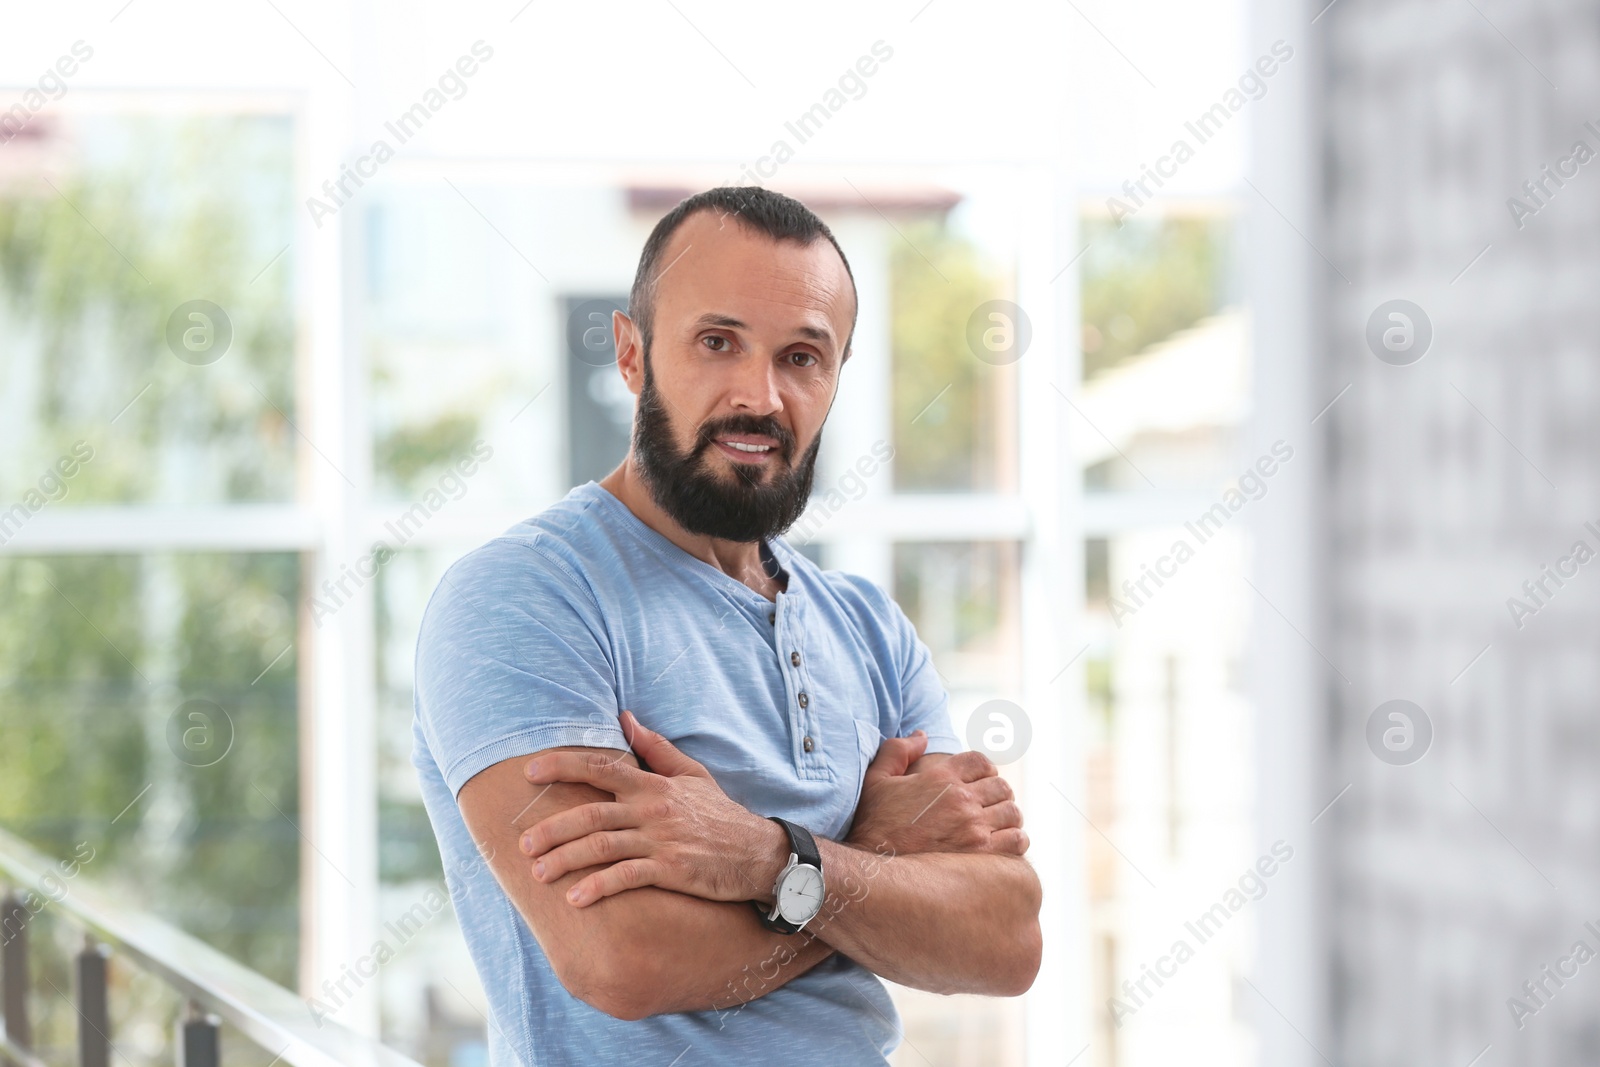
(512, 658)
(924, 704)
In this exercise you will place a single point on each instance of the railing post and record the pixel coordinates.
(94, 1009)
(199, 1039)
(14, 969)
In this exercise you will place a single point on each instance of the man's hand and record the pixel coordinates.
(916, 803)
(675, 829)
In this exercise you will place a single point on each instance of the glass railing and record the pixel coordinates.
(218, 989)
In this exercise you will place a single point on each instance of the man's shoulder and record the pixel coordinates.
(569, 535)
(547, 555)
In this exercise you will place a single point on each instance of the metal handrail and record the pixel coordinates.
(263, 1011)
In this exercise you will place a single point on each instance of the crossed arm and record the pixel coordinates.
(635, 883)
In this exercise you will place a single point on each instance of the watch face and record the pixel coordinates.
(800, 896)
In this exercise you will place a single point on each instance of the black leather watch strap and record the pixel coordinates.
(804, 847)
(801, 843)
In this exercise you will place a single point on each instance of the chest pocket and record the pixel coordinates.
(867, 741)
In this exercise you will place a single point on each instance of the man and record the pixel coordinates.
(677, 773)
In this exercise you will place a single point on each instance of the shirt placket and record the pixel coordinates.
(810, 759)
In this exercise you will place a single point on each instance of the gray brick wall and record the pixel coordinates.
(1450, 481)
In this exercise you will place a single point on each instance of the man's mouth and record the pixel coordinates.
(747, 448)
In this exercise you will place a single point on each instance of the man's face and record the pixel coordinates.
(749, 335)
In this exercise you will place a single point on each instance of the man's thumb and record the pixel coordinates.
(659, 754)
(897, 754)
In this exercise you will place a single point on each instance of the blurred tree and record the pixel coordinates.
(950, 407)
(411, 456)
(1144, 281)
(149, 214)
(99, 653)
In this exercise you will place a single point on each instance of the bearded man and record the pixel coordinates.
(695, 796)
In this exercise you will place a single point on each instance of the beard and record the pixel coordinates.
(750, 503)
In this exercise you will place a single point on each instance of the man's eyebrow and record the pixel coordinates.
(711, 318)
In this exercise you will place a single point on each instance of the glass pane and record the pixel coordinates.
(954, 414)
(962, 598)
(1168, 757)
(1165, 352)
(1169, 782)
(464, 316)
(1147, 278)
(149, 714)
(145, 304)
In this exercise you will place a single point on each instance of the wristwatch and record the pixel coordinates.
(799, 891)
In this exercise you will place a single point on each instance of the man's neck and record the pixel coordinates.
(739, 560)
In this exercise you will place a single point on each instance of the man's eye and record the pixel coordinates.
(804, 359)
(719, 340)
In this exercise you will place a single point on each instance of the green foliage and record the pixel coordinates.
(948, 418)
(1102, 696)
(1143, 282)
(93, 264)
(411, 453)
(97, 653)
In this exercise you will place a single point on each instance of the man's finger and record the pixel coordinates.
(1003, 815)
(576, 822)
(609, 847)
(593, 768)
(661, 755)
(991, 790)
(972, 766)
(1012, 842)
(617, 878)
(897, 754)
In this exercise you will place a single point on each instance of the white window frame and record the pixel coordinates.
(333, 518)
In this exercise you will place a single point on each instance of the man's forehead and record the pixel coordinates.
(713, 261)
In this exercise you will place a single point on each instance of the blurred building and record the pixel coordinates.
(1456, 178)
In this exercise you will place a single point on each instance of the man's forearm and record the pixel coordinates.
(701, 955)
(947, 921)
(640, 953)
(944, 922)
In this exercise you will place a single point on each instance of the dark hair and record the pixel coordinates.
(780, 217)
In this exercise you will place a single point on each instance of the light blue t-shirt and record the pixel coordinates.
(542, 636)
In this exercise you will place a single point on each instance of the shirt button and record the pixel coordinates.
(805, 701)
(772, 616)
(794, 658)
(808, 744)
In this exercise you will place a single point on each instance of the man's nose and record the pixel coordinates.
(755, 386)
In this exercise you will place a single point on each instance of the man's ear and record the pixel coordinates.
(630, 351)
